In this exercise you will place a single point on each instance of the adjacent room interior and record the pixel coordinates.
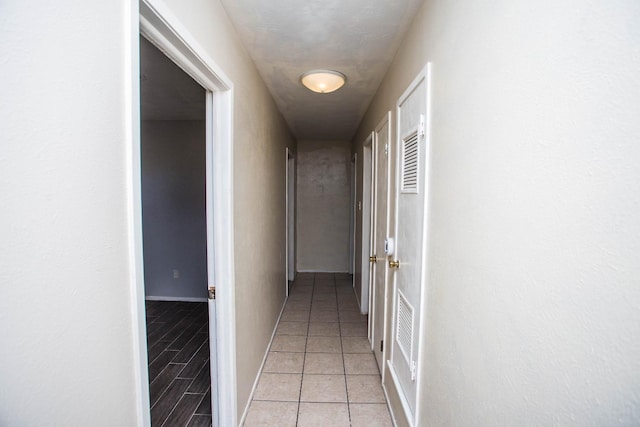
(174, 236)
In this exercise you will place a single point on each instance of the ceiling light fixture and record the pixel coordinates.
(323, 81)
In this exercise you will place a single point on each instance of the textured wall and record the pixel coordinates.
(533, 288)
(323, 211)
(260, 138)
(173, 208)
(65, 278)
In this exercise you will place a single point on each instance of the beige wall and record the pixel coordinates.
(260, 138)
(323, 212)
(535, 193)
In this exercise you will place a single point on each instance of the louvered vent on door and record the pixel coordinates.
(410, 164)
(404, 322)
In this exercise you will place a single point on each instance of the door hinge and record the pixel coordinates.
(421, 127)
(381, 345)
(212, 292)
(413, 370)
(386, 149)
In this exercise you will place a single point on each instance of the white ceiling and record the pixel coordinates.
(285, 38)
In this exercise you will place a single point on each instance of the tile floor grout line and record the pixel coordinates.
(172, 411)
(162, 394)
(177, 377)
(194, 412)
(304, 358)
(344, 367)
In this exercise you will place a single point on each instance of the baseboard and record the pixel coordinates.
(264, 359)
(398, 406)
(386, 397)
(178, 299)
(358, 301)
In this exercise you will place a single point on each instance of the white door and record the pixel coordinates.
(409, 253)
(380, 231)
(211, 276)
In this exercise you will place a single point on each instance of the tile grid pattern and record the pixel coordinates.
(178, 352)
(320, 369)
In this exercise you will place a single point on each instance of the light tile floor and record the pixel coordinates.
(320, 370)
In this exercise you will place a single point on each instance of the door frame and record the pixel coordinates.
(153, 20)
(386, 120)
(352, 216)
(290, 228)
(368, 220)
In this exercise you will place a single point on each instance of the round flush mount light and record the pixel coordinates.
(323, 81)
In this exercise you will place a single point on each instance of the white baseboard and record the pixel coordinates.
(386, 398)
(180, 299)
(404, 405)
(264, 359)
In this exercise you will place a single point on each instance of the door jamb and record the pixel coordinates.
(385, 120)
(368, 219)
(159, 25)
(352, 216)
(290, 235)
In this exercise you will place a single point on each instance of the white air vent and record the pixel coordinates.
(404, 322)
(410, 164)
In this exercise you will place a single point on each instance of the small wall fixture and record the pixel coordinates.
(323, 81)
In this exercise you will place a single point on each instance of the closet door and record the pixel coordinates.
(380, 231)
(407, 253)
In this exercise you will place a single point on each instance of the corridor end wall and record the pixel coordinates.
(323, 211)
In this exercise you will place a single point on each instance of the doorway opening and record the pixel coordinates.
(291, 219)
(352, 217)
(367, 222)
(174, 228)
(161, 28)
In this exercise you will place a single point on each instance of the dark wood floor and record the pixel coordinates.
(179, 377)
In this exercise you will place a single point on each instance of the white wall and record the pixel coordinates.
(65, 281)
(533, 288)
(173, 208)
(323, 208)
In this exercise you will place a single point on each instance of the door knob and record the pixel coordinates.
(373, 258)
(394, 264)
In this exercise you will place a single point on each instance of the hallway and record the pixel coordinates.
(320, 369)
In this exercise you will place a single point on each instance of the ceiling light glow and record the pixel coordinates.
(323, 81)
